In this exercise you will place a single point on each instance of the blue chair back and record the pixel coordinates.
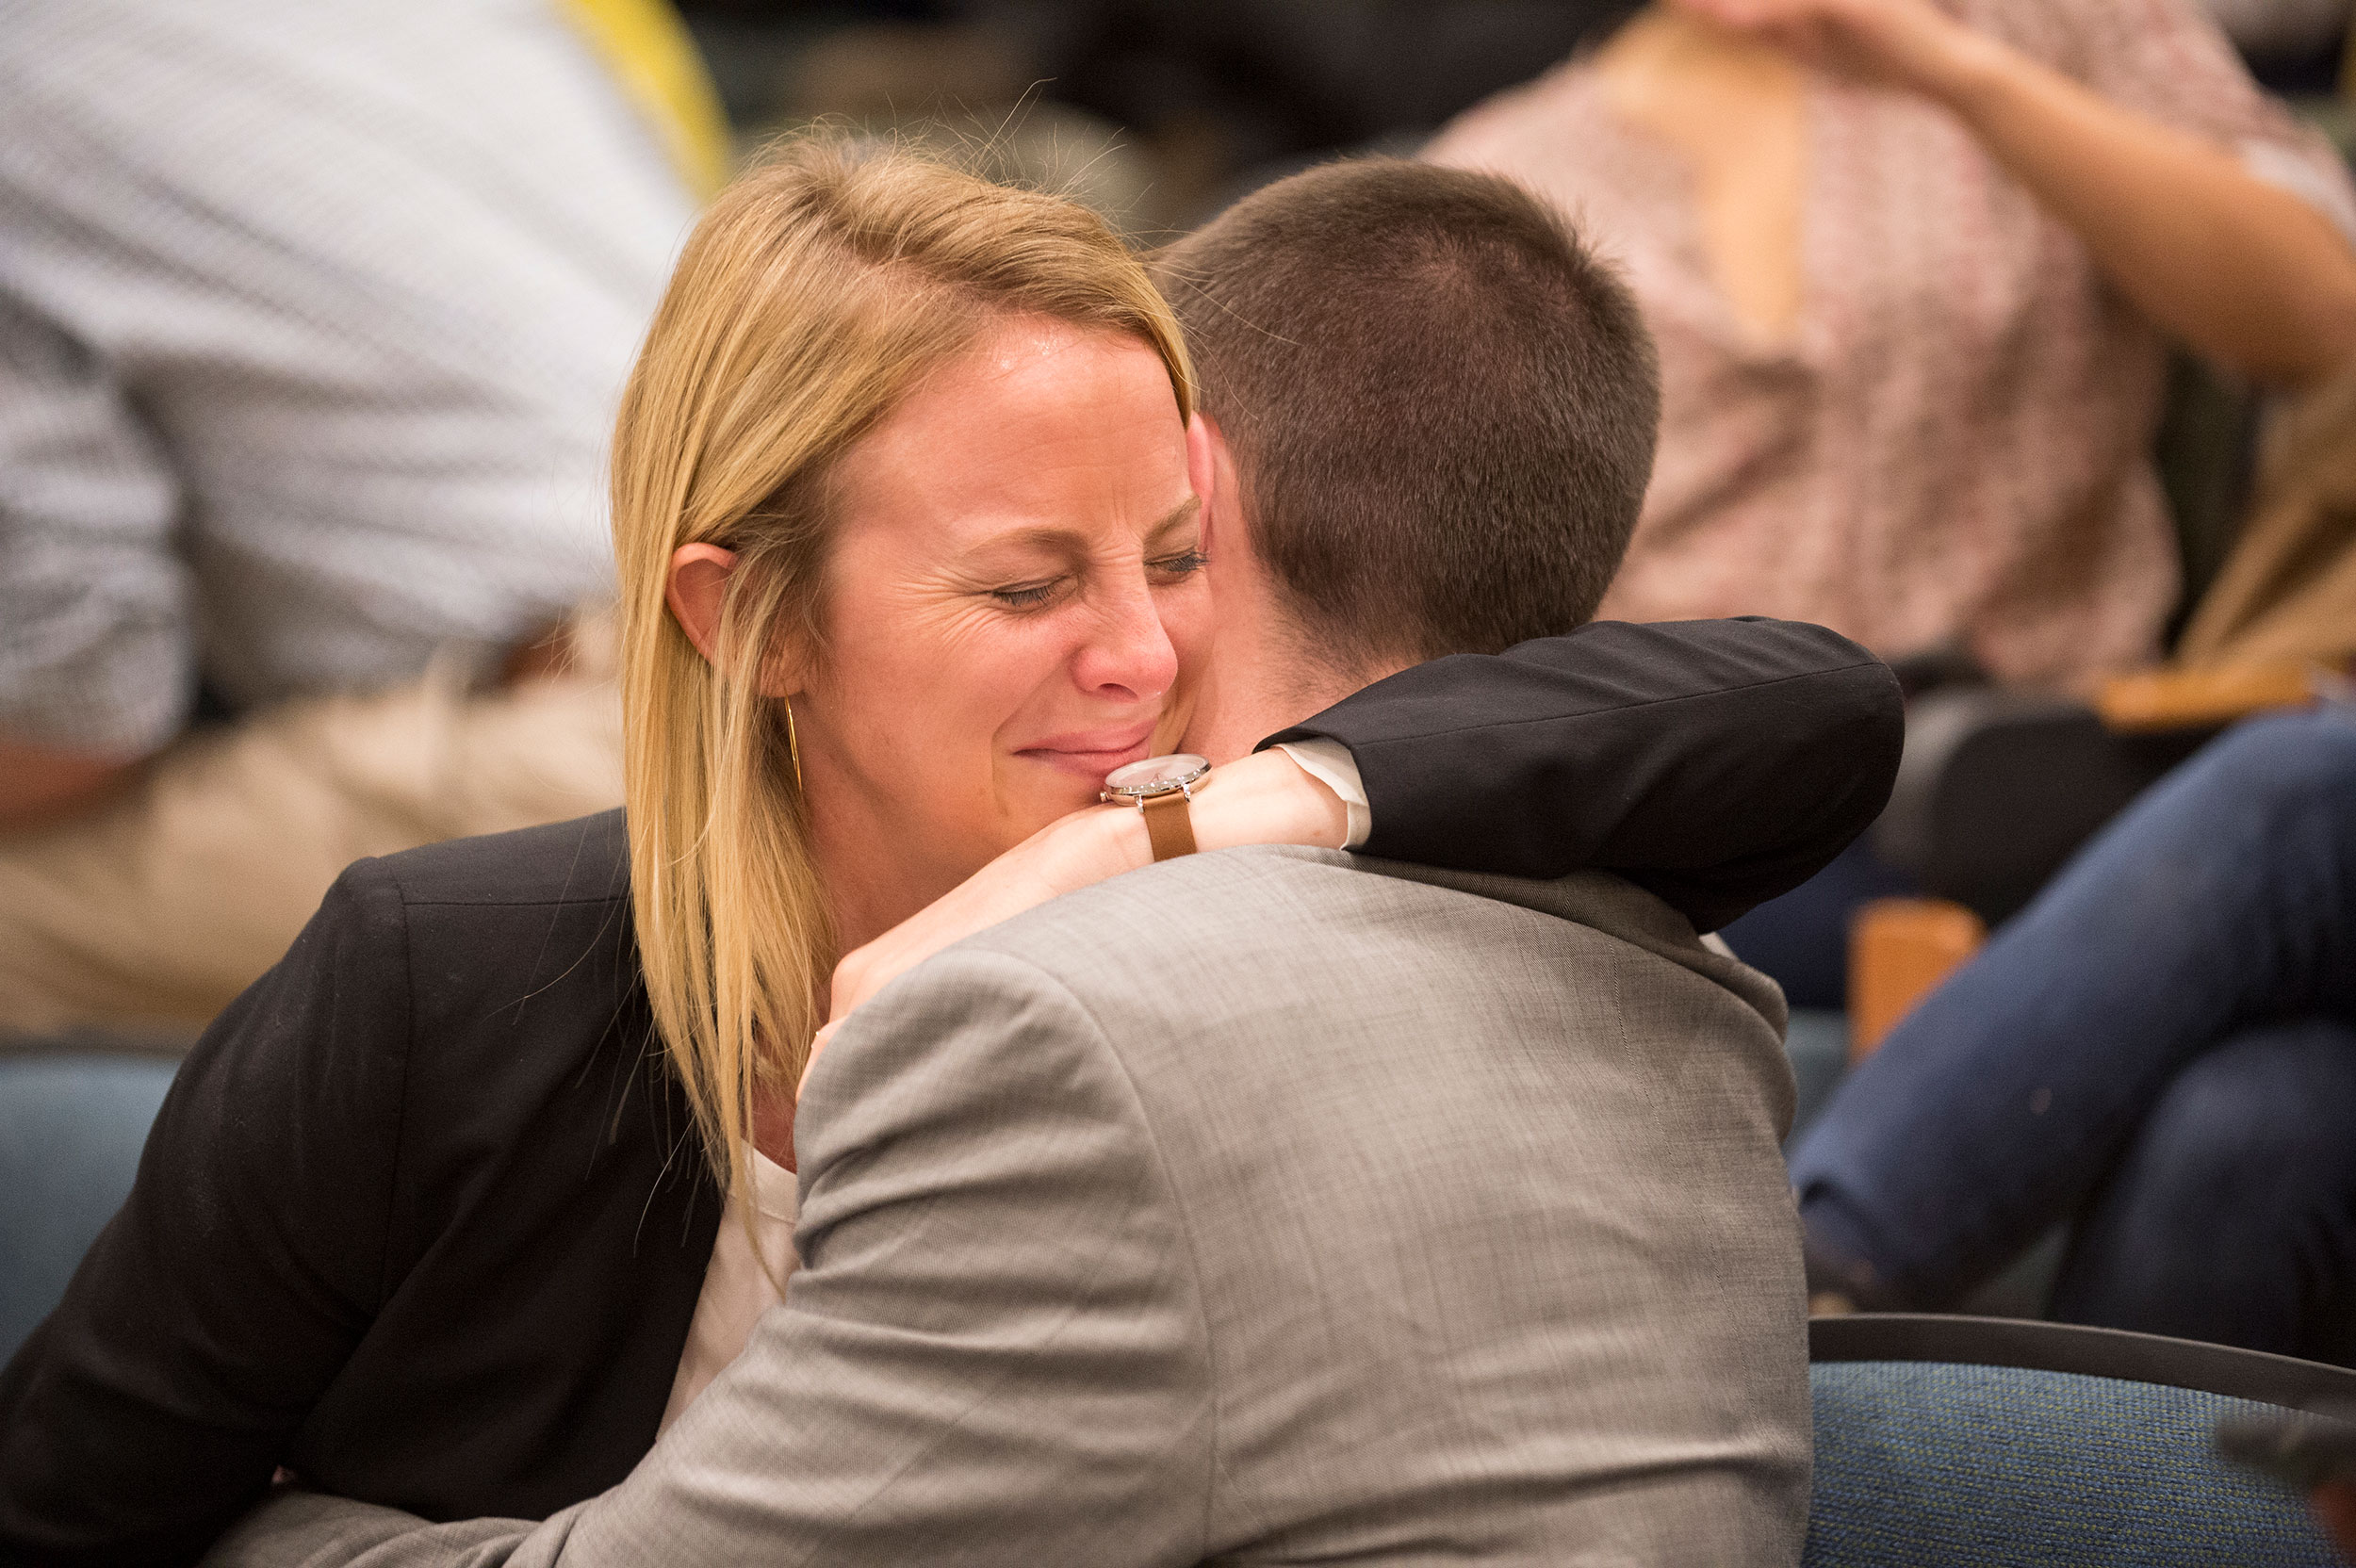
(70, 1131)
(2005, 1443)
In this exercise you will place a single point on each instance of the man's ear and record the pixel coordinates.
(1206, 456)
(1211, 469)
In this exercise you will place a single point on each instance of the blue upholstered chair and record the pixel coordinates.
(72, 1127)
(2002, 1443)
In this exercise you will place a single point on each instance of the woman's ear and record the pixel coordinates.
(697, 591)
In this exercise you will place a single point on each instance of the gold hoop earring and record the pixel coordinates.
(792, 743)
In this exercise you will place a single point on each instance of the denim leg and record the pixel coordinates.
(2231, 1218)
(2226, 895)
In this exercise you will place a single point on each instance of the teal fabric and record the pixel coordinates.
(71, 1132)
(1920, 1465)
(1817, 1040)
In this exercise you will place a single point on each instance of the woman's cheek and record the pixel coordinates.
(1004, 678)
(1189, 622)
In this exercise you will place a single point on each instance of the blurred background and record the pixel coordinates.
(1162, 111)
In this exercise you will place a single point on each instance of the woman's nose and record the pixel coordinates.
(1128, 653)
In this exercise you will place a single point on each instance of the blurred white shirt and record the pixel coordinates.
(312, 314)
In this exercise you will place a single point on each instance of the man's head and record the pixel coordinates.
(1429, 414)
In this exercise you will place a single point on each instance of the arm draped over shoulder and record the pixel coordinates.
(1715, 763)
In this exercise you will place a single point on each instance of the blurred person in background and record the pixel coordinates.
(2160, 1052)
(1915, 268)
(312, 318)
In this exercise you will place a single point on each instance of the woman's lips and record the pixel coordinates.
(1093, 753)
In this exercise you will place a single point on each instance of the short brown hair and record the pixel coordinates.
(1442, 405)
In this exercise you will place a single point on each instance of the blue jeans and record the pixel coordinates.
(2162, 1046)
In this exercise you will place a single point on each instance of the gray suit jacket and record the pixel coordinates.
(1254, 1207)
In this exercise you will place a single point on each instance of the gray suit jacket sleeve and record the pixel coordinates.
(995, 1351)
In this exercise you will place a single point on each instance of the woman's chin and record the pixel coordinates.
(1045, 789)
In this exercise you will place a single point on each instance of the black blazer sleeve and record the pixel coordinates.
(152, 1407)
(1717, 763)
(421, 1220)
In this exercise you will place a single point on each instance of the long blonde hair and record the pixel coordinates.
(814, 294)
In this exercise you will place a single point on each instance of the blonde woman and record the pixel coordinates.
(435, 1215)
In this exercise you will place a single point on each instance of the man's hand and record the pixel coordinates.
(1262, 799)
(41, 785)
(1907, 43)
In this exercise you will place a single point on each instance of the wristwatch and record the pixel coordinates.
(1160, 787)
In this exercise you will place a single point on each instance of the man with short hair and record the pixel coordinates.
(1454, 478)
(1275, 1205)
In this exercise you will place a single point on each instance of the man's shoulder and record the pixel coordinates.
(585, 860)
(1317, 973)
(1241, 919)
(1249, 956)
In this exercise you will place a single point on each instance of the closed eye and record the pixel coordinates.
(1027, 597)
(1182, 566)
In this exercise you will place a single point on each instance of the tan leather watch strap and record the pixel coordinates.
(1168, 825)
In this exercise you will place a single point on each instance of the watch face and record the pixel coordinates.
(1156, 773)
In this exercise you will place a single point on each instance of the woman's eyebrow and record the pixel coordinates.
(1178, 518)
(1049, 541)
(1072, 542)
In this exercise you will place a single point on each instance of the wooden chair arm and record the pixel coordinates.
(2201, 700)
(1900, 949)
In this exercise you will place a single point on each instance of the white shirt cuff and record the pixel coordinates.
(1330, 765)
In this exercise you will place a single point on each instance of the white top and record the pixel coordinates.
(738, 1289)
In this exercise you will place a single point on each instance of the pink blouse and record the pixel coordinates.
(1957, 437)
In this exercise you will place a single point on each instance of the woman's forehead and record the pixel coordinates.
(1042, 425)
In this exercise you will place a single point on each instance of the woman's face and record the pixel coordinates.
(1013, 592)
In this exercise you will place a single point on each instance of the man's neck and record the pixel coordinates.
(1265, 677)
